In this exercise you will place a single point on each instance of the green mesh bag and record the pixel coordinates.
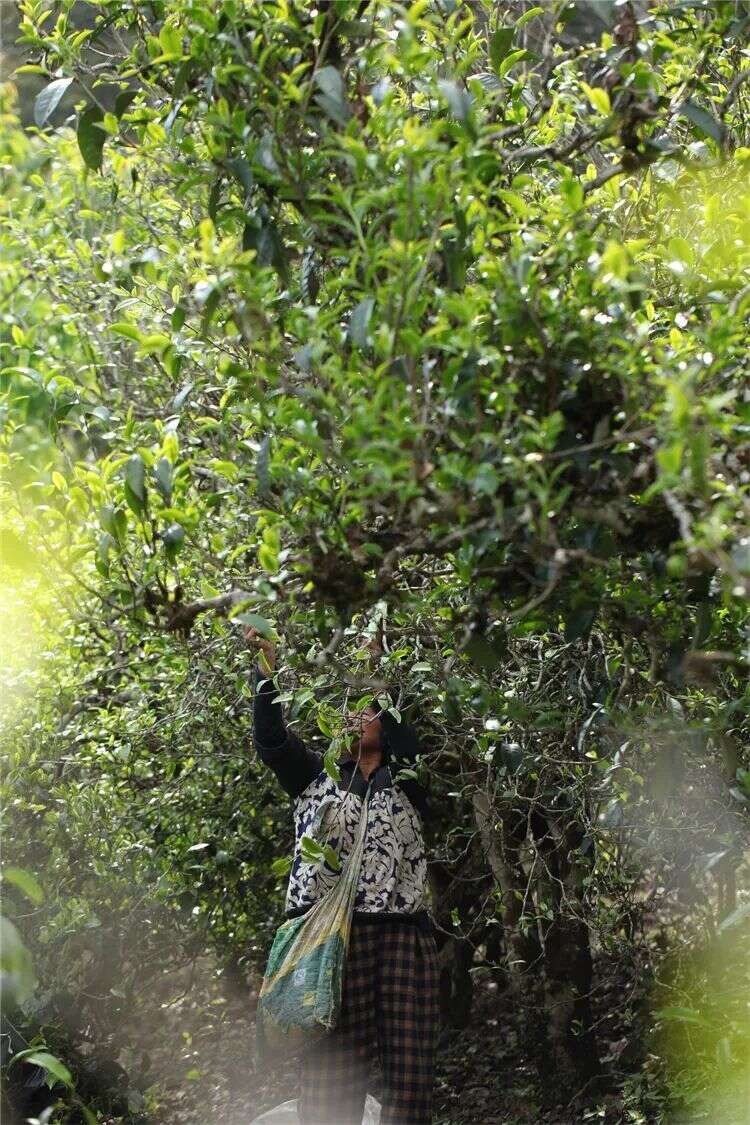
(300, 998)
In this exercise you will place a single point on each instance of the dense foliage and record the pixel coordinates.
(417, 333)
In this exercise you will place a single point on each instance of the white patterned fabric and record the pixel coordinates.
(393, 877)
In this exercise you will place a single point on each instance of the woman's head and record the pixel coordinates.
(375, 728)
(366, 729)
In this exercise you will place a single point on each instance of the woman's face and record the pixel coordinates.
(366, 728)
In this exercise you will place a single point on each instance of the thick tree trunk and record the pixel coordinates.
(456, 982)
(502, 838)
(501, 842)
(568, 963)
(455, 890)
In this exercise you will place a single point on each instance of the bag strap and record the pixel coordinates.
(348, 879)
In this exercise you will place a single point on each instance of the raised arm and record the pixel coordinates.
(280, 749)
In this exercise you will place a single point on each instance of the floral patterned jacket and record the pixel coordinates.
(393, 877)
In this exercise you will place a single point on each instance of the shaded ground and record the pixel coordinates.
(195, 1060)
(184, 1054)
(484, 1076)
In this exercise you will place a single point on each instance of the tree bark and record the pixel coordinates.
(567, 958)
(500, 842)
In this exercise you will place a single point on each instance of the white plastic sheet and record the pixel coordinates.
(286, 1114)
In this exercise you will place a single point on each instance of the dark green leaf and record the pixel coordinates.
(163, 477)
(104, 546)
(107, 518)
(240, 169)
(579, 622)
(124, 100)
(91, 137)
(135, 484)
(210, 305)
(704, 120)
(135, 475)
(499, 45)
(173, 539)
(454, 257)
(214, 197)
(261, 234)
(309, 280)
(332, 98)
(484, 653)
(114, 520)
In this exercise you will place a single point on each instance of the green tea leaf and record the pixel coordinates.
(360, 322)
(56, 1070)
(499, 45)
(123, 328)
(709, 125)
(332, 99)
(90, 137)
(48, 99)
(459, 100)
(25, 882)
(531, 14)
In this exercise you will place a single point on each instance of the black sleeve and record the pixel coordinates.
(282, 750)
(402, 748)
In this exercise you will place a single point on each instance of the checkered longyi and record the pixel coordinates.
(390, 1015)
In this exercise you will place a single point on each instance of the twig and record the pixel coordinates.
(614, 439)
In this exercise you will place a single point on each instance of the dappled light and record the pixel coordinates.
(374, 541)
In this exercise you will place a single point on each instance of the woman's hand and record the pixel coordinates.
(266, 649)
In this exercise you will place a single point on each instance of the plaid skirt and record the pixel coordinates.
(389, 1017)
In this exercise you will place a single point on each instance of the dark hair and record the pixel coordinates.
(397, 738)
(401, 744)
(392, 692)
